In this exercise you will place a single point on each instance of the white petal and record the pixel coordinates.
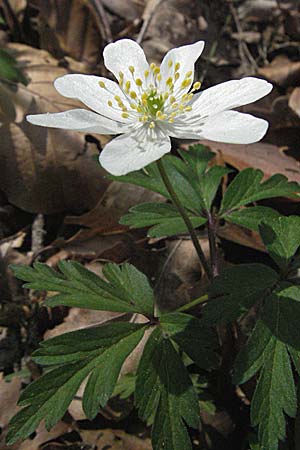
(186, 56)
(229, 95)
(133, 151)
(228, 126)
(234, 128)
(120, 55)
(78, 120)
(86, 88)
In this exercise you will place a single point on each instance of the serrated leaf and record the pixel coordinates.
(127, 289)
(247, 187)
(281, 314)
(275, 395)
(165, 391)
(101, 350)
(281, 237)
(236, 289)
(195, 188)
(252, 217)
(193, 337)
(163, 218)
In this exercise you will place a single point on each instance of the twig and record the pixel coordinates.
(211, 228)
(97, 7)
(150, 9)
(37, 234)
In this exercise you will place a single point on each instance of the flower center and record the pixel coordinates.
(152, 100)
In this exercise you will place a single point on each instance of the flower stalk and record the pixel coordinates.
(185, 218)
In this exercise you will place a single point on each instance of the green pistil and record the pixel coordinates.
(154, 103)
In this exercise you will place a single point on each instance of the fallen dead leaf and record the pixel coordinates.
(44, 170)
(114, 440)
(294, 101)
(266, 157)
(282, 71)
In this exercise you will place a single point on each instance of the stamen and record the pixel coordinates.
(196, 86)
(172, 99)
(138, 82)
(152, 66)
(146, 73)
(170, 63)
(125, 115)
(171, 120)
(189, 74)
(177, 75)
(152, 125)
(188, 108)
(131, 69)
(169, 81)
(177, 66)
(102, 84)
(186, 83)
(159, 77)
(118, 99)
(127, 86)
(133, 95)
(109, 103)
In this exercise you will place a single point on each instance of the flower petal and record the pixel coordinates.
(234, 128)
(120, 55)
(133, 151)
(78, 120)
(186, 56)
(228, 126)
(86, 88)
(229, 95)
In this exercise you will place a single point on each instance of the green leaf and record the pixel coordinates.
(164, 391)
(281, 237)
(164, 216)
(193, 337)
(281, 314)
(236, 290)
(98, 352)
(127, 289)
(195, 187)
(247, 188)
(9, 68)
(275, 335)
(252, 217)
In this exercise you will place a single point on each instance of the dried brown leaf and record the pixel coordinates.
(44, 170)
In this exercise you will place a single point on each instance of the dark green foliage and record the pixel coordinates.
(95, 352)
(247, 187)
(252, 217)
(163, 218)
(165, 394)
(127, 289)
(9, 69)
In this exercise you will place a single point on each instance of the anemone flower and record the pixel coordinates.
(151, 103)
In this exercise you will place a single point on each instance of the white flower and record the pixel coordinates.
(150, 103)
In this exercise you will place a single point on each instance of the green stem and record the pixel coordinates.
(193, 303)
(185, 217)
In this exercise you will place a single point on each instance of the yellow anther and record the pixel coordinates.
(144, 96)
(163, 117)
(139, 109)
(189, 74)
(152, 66)
(132, 105)
(166, 95)
(169, 81)
(133, 94)
(145, 118)
(172, 99)
(146, 73)
(156, 70)
(188, 108)
(118, 99)
(181, 108)
(185, 98)
(152, 125)
(109, 103)
(159, 114)
(170, 63)
(173, 114)
(138, 82)
(177, 66)
(131, 69)
(102, 84)
(159, 77)
(125, 115)
(186, 83)
(196, 86)
(127, 86)
(171, 120)
(175, 105)
(121, 74)
(190, 97)
(177, 75)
